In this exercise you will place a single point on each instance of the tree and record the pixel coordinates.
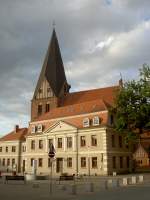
(132, 109)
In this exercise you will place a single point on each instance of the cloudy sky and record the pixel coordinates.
(99, 39)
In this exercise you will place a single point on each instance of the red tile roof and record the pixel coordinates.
(107, 94)
(19, 135)
(75, 109)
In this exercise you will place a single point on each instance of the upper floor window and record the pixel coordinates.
(113, 140)
(32, 160)
(96, 121)
(50, 141)
(13, 161)
(23, 148)
(82, 141)
(1, 149)
(6, 149)
(3, 162)
(94, 140)
(32, 144)
(8, 162)
(59, 144)
(40, 91)
(47, 107)
(69, 162)
(69, 142)
(114, 162)
(40, 144)
(39, 128)
(33, 129)
(86, 122)
(13, 149)
(39, 109)
(121, 162)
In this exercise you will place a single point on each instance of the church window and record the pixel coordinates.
(47, 108)
(39, 109)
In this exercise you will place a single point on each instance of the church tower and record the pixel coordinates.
(52, 84)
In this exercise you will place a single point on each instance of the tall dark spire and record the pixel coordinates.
(53, 69)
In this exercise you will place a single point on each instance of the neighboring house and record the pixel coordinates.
(78, 124)
(11, 147)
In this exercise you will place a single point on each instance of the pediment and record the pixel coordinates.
(60, 126)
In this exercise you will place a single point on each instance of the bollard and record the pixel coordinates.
(133, 180)
(141, 179)
(125, 181)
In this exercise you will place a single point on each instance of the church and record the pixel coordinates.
(78, 124)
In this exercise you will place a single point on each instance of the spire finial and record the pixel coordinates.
(54, 24)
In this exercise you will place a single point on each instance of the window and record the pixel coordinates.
(128, 161)
(86, 122)
(32, 160)
(8, 162)
(69, 162)
(96, 121)
(23, 148)
(40, 91)
(82, 141)
(50, 141)
(94, 162)
(3, 163)
(40, 144)
(13, 161)
(33, 129)
(32, 144)
(83, 161)
(6, 149)
(94, 140)
(1, 149)
(47, 108)
(120, 141)
(39, 109)
(113, 140)
(39, 128)
(40, 162)
(59, 145)
(121, 162)
(69, 142)
(13, 149)
(114, 162)
(111, 119)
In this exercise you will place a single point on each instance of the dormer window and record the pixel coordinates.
(33, 129)
(86, 122)
(39, 128)
(96, 121)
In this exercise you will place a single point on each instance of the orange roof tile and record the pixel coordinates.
(75, 109)
(19, 135)
(107, 94)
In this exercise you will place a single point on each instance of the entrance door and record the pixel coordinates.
(59, 165)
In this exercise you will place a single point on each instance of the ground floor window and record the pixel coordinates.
(128, 162)
(83, 162)
(114, 162)
(69, 162)
(121, 162)
(94, 162)
(40, 162)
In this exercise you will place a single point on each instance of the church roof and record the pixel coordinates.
(75, 109)
(19, 135)
(108, 95)
(53, 69)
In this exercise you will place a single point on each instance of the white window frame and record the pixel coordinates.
(33, 129)
(39, 128)
(96, 121)
(86, 122)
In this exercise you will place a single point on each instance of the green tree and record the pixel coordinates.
(132, 109)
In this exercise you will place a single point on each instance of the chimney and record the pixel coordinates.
(16, 128)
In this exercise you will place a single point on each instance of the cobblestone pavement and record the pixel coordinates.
(40, 190)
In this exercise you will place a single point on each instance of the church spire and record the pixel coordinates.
(53, 69)
(52, 84)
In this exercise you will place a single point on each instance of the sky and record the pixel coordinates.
(99, 39)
